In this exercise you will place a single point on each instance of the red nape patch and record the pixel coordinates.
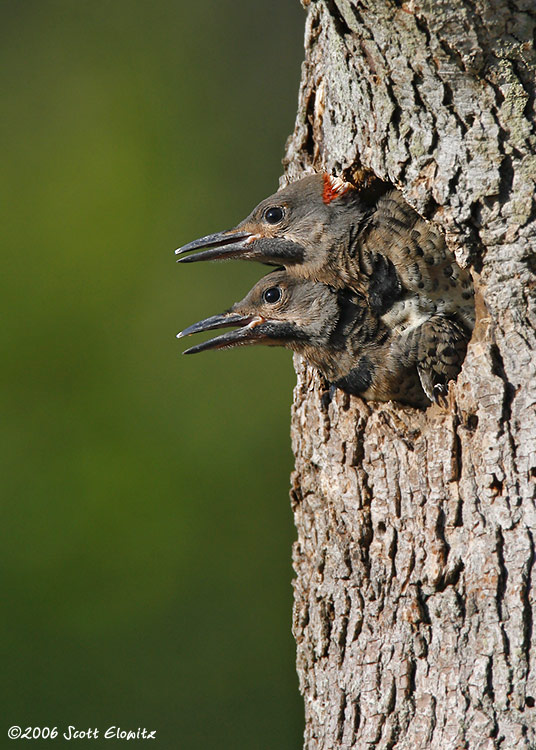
(334, 187)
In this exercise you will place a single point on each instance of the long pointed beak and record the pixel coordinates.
(222, 245)
(225, 320)
(246, 332)
(274, 251)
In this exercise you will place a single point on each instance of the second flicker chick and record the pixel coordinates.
(337, 332)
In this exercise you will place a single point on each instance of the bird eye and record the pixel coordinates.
(272, 295)
(273, 215)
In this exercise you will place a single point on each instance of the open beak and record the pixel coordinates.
(247, 331)
(274, 251)
(221, 245)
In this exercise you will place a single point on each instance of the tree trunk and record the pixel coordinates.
(414, 595)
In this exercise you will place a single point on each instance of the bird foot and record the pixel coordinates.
(440, 394)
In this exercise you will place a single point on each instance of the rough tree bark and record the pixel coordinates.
(414, 597)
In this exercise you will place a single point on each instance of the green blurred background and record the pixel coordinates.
(146, 528)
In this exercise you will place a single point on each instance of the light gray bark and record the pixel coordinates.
(415, 590)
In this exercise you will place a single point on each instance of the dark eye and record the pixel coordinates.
(272, 295)
(273, 215)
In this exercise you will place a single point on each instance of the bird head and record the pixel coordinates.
(280, 310)
(297, 227)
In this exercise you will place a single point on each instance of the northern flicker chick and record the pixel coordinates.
(338, 333)
(325, 230)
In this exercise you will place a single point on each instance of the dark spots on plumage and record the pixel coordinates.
(429, 260)
(419, 252)
(421, 284)
(353, 246)
(432, 352)
(447, 271)
(415, 234)
(385, 287)
(453, 283)
(358, 379)
(351, 312)
(467, 295)
(448, 351)
(384, 335)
